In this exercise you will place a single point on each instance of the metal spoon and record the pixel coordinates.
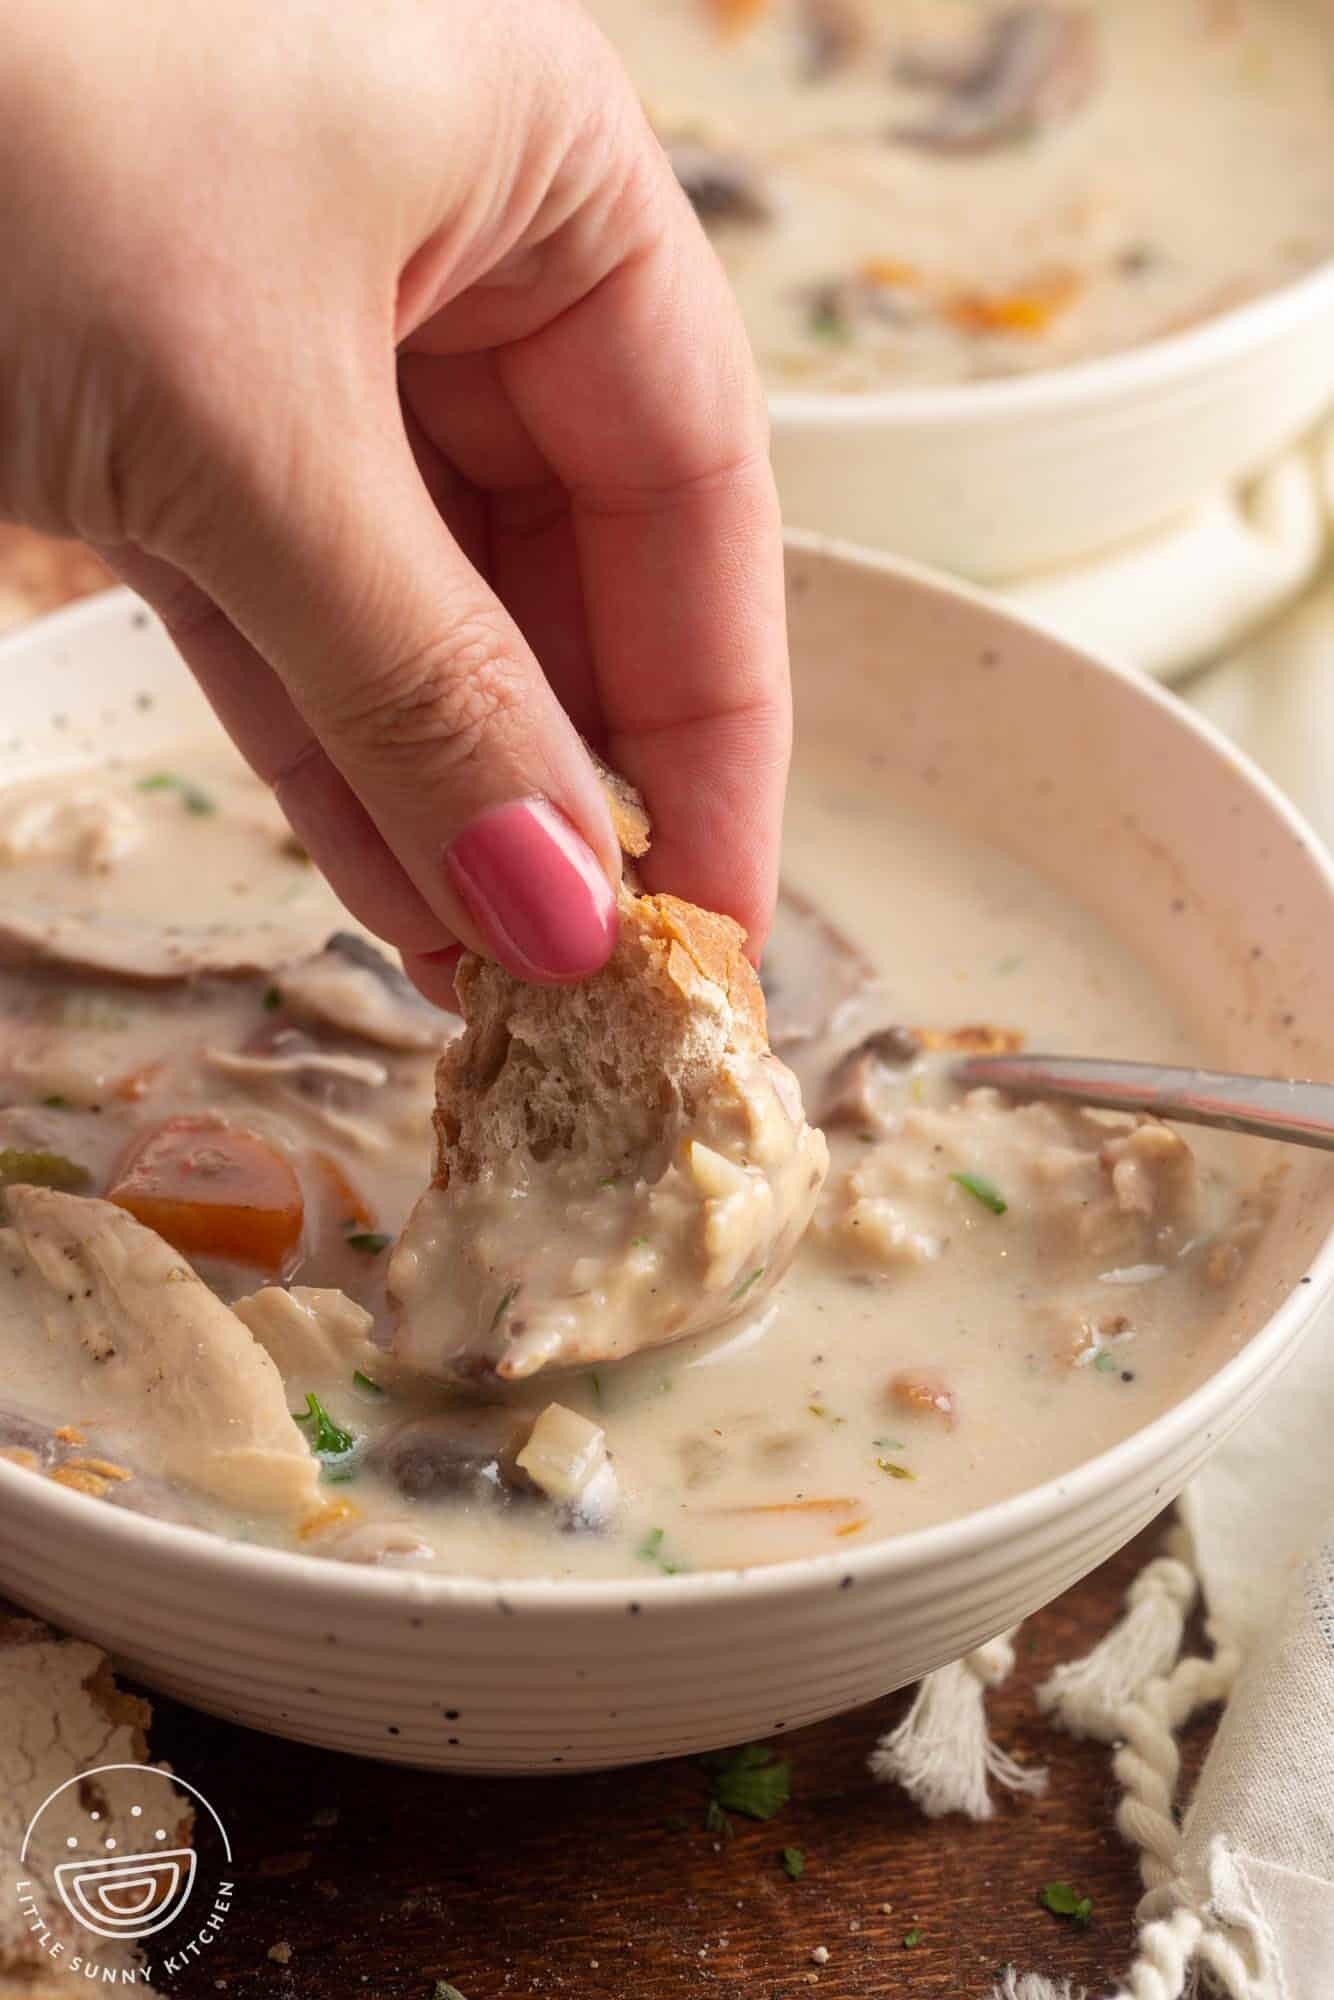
(1272, 1107)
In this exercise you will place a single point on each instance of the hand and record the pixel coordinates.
(379, 350)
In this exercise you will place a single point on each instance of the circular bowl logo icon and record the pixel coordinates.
(125, 1874)
(128, 1895)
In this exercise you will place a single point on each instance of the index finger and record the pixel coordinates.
(644, 401)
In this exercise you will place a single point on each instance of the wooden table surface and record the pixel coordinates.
(358, 1879)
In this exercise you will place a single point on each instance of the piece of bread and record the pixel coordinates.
(636, 1119)
(61, 1713)
(629, 817)
(600, 1069)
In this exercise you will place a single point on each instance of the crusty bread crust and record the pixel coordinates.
(561, 1069)
(701, 944)
(629, 816)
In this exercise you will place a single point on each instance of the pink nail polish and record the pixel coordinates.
(536, 891)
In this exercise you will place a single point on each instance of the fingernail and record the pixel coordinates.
(535, 890)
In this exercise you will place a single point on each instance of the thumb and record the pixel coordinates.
(361, 658)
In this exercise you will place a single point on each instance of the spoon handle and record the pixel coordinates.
(1272, 1107)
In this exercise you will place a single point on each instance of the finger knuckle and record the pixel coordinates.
(438, 707)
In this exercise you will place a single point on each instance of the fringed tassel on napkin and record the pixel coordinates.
(942, 1753)
(1014, 1985)
(1089, 1697)
(1133, 1690)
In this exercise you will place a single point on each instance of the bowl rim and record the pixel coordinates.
(341, 1587)
(1161, 363)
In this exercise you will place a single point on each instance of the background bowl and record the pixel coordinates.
(996, 478)
(1101, 781)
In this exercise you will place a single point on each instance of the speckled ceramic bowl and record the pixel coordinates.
(998, 478)
(1100, 780)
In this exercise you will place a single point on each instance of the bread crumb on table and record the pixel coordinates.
(820, 1956)
(281, 1953)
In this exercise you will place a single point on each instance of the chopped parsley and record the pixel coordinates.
(193, 797)
(19, 1165)
(746, 1283)
(894, 1470)
(1005, 966)
(751, 1781)
(889, 1444)
(912, 1938)
(650, 1551)
(55, 1102)
(983, 1190)
(595, 1385)
(507, 1298)
(1105, 1361)
(273, 999)
(827, 321)
(1062, 1901)
(332, 1445)
(365, 1382)
(794, 1863)
(370, 1241)
(609, 1180)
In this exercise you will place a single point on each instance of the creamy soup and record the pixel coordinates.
(931, 190)
(206, 1170)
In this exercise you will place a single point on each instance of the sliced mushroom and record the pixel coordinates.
(1034, 66)
(98, 942)
(304, 1063)
(330, 1085)
(720, 186)
(833, 34)
(467, 1453)
(860, 1087)
(352, 986)
(812, 974)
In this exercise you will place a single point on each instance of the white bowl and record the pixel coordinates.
(1101, 780)
(997, 478)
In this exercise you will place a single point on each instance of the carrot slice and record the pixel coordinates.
(1027, 312)
(735, 15)
(346, 1206)
(211, 1189)
(889, 271)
